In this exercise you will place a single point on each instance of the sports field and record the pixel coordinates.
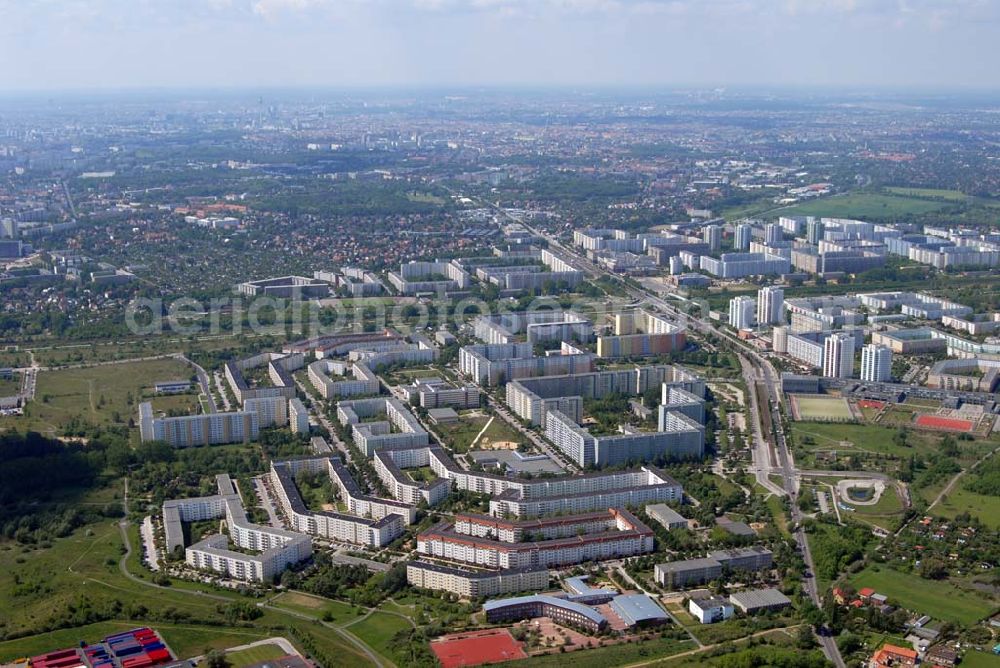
(473, 649)
(928, 421)
(817, 408)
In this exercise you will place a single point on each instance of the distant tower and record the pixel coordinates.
(876, 363)
(744, 234)
(770, 305)
(779, 340)
(741, 312)
(712, 235)
(838, 355)
(773, 234)
(814, 231)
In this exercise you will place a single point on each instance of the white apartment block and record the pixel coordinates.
(358, 379)
(207, 429)
(741, 312)
(276, 548)
(876, 363)
(298, 417)
(838, 355)
(472, 583)
(770, 306)
(389, 465)
(400, 429)
(371, 531)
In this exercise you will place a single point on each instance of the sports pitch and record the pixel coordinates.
(817, 408)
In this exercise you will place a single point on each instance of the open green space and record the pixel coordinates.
(377, 630)
(871, 438)
(176, 404)
(931, 193)
(10, 386)
(252, 655)
(865, 205)
(60, 591)
(939, 599)
(818, 407)
(961, 500)
(459, 435)
(613, 655)
(974, 659)
(98, 395)
(338, 612)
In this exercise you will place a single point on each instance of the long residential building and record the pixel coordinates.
(374, 531)
(205, 429)
(741, 265)
(535, 497)
(531, 398)
(470, 583)
(400, 429)
(274, 549)
(389, 465)
(620, 535)
(491, 364)
(680, 438)
(362, 379)
(415, 277)
(534, 326)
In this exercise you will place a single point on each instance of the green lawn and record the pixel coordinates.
(864, 205)
(613, 655)
(338, 612)
(941, 600)
(246, 657)
(98, 395)
(976, 659)
(377, 630)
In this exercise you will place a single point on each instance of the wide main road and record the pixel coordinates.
(770, 454)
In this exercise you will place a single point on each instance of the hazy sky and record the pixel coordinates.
(57, 44)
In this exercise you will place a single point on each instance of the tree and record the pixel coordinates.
(216, 658)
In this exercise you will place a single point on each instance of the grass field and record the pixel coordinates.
(614, 655)
(941, 600)
(461, 434)
(97, 395)
(246, 657)
(961, 500)
(865, 205)
(335, 611)
(819, 408)
(40, 587)
(976, 659)
(10, 386)
(933, 193)
(378, 629)
(848, 437)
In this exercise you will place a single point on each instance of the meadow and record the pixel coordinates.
(940, 599)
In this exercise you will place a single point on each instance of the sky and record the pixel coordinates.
(863, 44)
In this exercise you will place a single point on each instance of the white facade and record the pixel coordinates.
(770, 306)
(876, 363)
(741, 312)
(838, 356)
